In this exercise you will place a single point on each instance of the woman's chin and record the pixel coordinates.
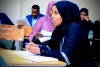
(54, 26)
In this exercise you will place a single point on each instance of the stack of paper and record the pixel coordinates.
(46, 33)
(26, 27)
(46, 36)
(29, 57)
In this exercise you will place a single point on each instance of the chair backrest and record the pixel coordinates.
(96, 29)
(10, 32)
(96, 41)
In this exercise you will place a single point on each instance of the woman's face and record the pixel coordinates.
(83, 15)
(56, 18)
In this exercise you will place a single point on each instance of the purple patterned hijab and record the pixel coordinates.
(48, 17)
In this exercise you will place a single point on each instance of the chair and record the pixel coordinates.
(96, 40)
(9, 34)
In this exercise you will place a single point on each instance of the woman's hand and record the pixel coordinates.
(38, 35)
(86, 18)
(33, 48)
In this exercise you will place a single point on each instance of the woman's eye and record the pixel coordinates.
(56, 12)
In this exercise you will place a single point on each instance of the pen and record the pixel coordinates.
(30, 60)
(37, 44)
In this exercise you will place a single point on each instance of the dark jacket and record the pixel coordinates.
(69, 39)
(96, 41)
(75, 46)
(88, 25)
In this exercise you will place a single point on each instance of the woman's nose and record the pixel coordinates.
(52, 16)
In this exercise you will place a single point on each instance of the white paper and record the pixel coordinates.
(46, 33)
(22, 53)
(39, 58)
(46, 36)
(29, 57)
(43, 39)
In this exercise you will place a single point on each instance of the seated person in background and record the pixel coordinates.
(4, 19)
(32, 18)
(69, 42)
(44, 23)
(87, 23)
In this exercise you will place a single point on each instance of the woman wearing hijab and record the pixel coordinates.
(87, 23)
(44, 23)
(69, 41)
